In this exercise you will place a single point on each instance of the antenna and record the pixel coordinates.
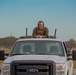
(26, 31)
(55, 32)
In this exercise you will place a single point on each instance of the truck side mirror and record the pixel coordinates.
(1, 54)
(74, 55)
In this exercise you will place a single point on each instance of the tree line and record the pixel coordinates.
(71, 43)
(9, 41)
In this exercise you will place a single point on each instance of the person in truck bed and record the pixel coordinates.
(40, 31)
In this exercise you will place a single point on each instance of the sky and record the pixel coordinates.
(17, 15)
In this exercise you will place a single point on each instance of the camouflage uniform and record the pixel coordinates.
(44, 32)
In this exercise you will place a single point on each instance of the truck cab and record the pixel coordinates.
(37, 56)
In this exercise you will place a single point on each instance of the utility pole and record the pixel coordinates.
(11, 34)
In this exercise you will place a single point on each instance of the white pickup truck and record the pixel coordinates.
(38, 56)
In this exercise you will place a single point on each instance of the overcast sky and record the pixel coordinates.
(16, 15)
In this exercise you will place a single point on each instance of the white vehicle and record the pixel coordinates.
(36, 56)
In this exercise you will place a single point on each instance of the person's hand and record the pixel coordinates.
(38, 36)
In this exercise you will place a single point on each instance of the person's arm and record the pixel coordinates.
(46, 33)
(34, 32)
